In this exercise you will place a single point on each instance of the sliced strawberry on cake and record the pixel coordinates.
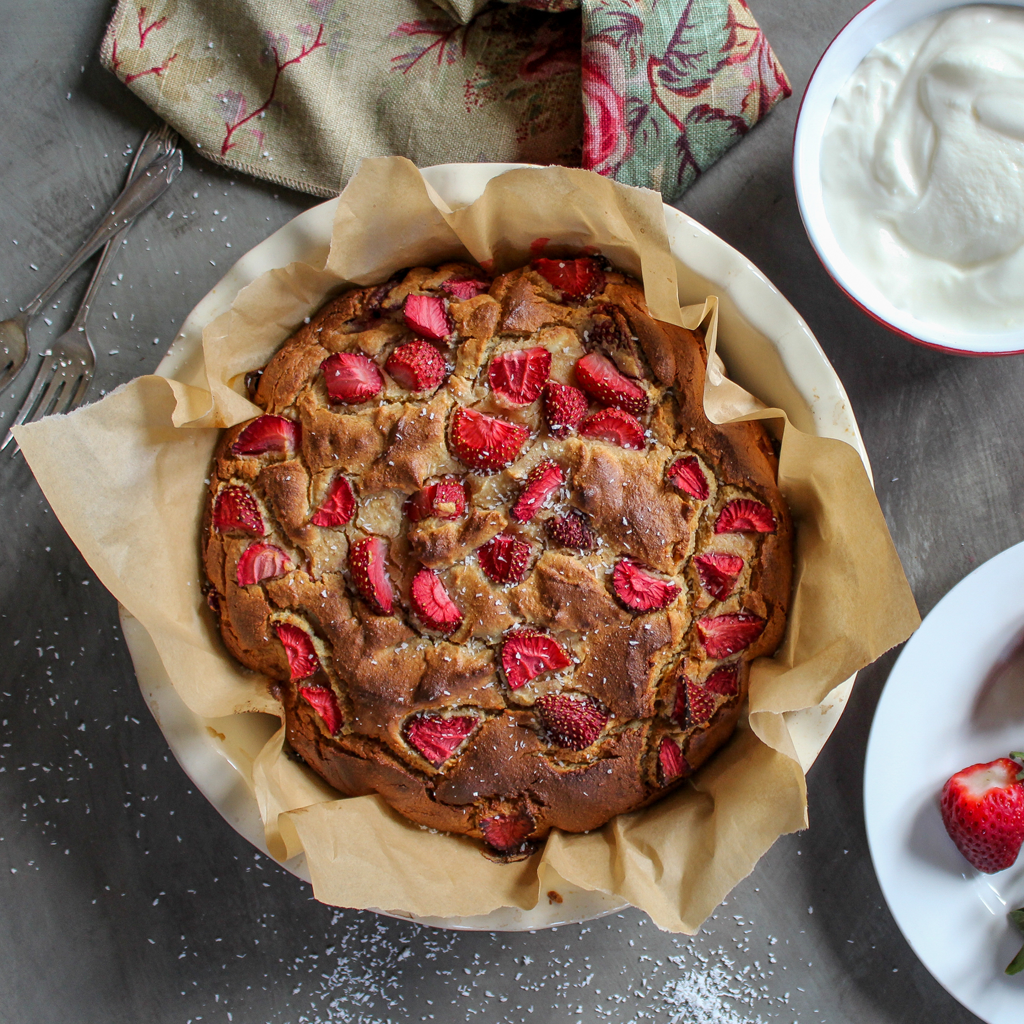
(640, 590)
(432, 604)
(574, 722)
(351, 378)
(544, 480)
(268, 434)
(504, 559)
(485, 443)
(519, 377)
(601, 379)
(528, 653)
(438, 737)
(367, 562)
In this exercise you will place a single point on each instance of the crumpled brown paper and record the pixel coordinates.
(126, 478)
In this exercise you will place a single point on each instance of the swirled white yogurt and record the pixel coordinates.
(922, 168)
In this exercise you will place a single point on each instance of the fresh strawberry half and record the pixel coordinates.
(718, 572)
(545, 478)
(745, 516)
(571, 722)
(507, 832)
(527, 653)
(577, 279)
(428, 317)
(519, 377)
(437, 737)
(572, 531)
(417, 366)
(483, 442)
(323, 701)
(724, 680)
(367, 562)
(504, 559)
(723, 635)
(235, 511)
(599, 378)
(463, 288)
(351, 378)
(640, 591)
(695, 704)
(983, 811)
(671, 762)
(261, 561)
(431, 602)
(564, 407)
(268, 434)
(298, 648)
(687, 475)
(338, 505)
(615, 427)
(445, 499)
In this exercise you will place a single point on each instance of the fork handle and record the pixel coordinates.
(136, 197)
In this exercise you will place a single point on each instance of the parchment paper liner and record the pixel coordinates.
(126, 478)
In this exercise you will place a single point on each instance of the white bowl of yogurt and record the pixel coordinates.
(909, 170)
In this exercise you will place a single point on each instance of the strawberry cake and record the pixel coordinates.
(500, 567)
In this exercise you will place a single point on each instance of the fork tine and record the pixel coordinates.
(50, 397)
(77, 394)
(43, 375)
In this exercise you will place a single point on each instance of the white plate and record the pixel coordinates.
(767, 348)
(955, 697)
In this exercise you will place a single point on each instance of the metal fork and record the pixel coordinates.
(67, 366)
(139, 193)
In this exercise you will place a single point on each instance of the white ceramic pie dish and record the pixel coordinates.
(874, 24)
(781, 362)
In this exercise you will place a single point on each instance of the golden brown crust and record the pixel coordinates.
(653, 680)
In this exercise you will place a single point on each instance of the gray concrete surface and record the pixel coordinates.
(125, 898)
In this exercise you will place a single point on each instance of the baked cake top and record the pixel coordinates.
(506, 572)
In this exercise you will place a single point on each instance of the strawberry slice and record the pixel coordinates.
(430, 601)
(338, 505)
(983, 810)
(351, 378)
(599, 377)
(367, 562)
(745, 516)
(572, 531)
(570, 721)
(268, 434)
(446, 499)
(507, 833)
(724, 680)
(545, 478)
(428, 317)
(723, 635)
(235, 511)
(695, 704)
(640, 591)
(298, 648)
(687, 475)
(564, 407)
(504, 559)
(463, 288)
(416, 366)
(519, 376)
(615, 427)
(437, 737)
(528, 653)
(718, 572)
(261, 561)
(671, 762)
(325, 704)
(483, 442)
(575, 279)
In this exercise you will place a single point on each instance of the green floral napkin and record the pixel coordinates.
(650, 92)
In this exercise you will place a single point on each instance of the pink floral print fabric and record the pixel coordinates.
(650, 92)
